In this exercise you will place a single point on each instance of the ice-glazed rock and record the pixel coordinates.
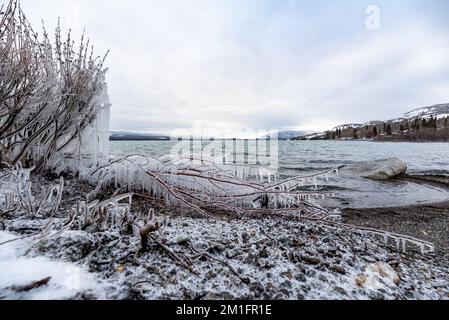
(383, 169)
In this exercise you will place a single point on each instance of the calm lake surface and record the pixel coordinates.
(305, 157)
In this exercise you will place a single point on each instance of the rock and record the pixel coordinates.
(184, 241)
(231, 254)
(384, 169)
(261, 263)
(279, 297)
(377, 296)
(217, 296)
(285, 292)
(339, 269)
(394, 264)
(217, 248)
(341, 291)
(377, 275)
(300, 297)
(310, 273)
(383, 269)
(202, 245)
(370, 259)
(286, 284)
(256, 287)
(310, 260)
(264, 253)
(361, 281)
(210, 275)
(245, 236)
(270, 287)
(409, 295)
(287, 275)
(301, 278)
(250, 259)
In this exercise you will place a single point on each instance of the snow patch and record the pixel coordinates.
(16, 269)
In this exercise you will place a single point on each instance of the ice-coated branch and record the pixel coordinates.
(207, 188)
(50, 95)
(19, 194)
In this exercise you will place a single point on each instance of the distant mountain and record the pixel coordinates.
(313, 136)
(132, 136)
(439, 111)
(422, 124)
(288, 135)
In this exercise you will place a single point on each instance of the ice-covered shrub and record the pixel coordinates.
(207, 188)
(115, 214)
(16, 187)
(107, 214)
(53, 98)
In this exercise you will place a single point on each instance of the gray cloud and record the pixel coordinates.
(258, 64)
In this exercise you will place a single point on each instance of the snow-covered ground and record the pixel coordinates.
(247, 258)
(18, 270)
(243, 259)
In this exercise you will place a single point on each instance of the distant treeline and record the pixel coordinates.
(419, 129)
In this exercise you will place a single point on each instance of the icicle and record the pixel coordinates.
(404, 245)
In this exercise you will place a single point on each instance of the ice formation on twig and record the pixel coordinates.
(208, 188)
(19, 195)
(54, 109)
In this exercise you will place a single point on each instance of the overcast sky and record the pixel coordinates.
(261, 64)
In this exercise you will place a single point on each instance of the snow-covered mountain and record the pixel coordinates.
(438, 110)
(313, 136)
(288, 135)
(348, 126)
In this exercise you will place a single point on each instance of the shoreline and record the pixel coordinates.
(240, 258)
(428, 221)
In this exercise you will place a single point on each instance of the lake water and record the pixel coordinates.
(305, 157)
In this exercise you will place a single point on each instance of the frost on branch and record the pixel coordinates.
(103, 215)
(17, 188)
(208, 188)
(54, 110)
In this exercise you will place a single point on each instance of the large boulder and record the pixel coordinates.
(377, 170)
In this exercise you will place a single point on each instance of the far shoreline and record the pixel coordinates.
(291, 140)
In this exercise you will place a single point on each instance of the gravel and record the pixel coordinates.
(246, 258)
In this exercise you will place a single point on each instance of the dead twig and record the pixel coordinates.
(31, 286)
(183, 261)
(200, 254)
